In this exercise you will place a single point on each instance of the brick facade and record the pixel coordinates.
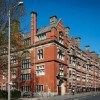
(52, 62)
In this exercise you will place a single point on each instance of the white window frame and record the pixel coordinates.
(40, 55)
(26, 88)
(26, 76)
(61, 37)
(39, 88)
(61, 56)
(41, 36)
(26, 63)
(14, 74)
(4, 75)
(39, 69)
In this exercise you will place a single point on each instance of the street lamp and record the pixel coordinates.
(18, 4)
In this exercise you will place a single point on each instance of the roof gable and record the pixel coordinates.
(60, 24)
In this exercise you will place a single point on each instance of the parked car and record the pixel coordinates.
(27, 94)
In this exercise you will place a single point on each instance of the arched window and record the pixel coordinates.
(25, 60)
(25, 65)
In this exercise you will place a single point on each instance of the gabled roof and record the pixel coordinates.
(25, 36)
(45, 29)
(40, 31)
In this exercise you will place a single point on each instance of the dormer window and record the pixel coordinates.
(27, 41)
(41, 36)
(61, 37)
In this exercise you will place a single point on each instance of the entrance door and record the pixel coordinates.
(59, 90)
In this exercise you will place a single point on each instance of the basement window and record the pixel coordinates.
(39, 88)
(25, 88)
(13, 85)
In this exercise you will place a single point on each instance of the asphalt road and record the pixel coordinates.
(84, 96)
(89, 97)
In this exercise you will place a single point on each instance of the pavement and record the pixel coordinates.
(64, 97)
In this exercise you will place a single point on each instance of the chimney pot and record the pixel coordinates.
(87, 48)
(78, 41)
(53, 19)
(33, 13)
(67, 30)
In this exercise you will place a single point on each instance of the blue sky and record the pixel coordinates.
(82, 16)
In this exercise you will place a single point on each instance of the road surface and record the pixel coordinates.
(89, 97)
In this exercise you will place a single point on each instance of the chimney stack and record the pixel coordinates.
(98, 55)
(87, 48)
(78, 41)
(53, 19)
(33, 26)
(67, 30)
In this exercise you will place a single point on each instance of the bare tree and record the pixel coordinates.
(17, 13)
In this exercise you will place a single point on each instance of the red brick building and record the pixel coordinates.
(51, 62)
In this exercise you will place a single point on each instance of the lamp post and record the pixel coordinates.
(18, 4)
(95, 83)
